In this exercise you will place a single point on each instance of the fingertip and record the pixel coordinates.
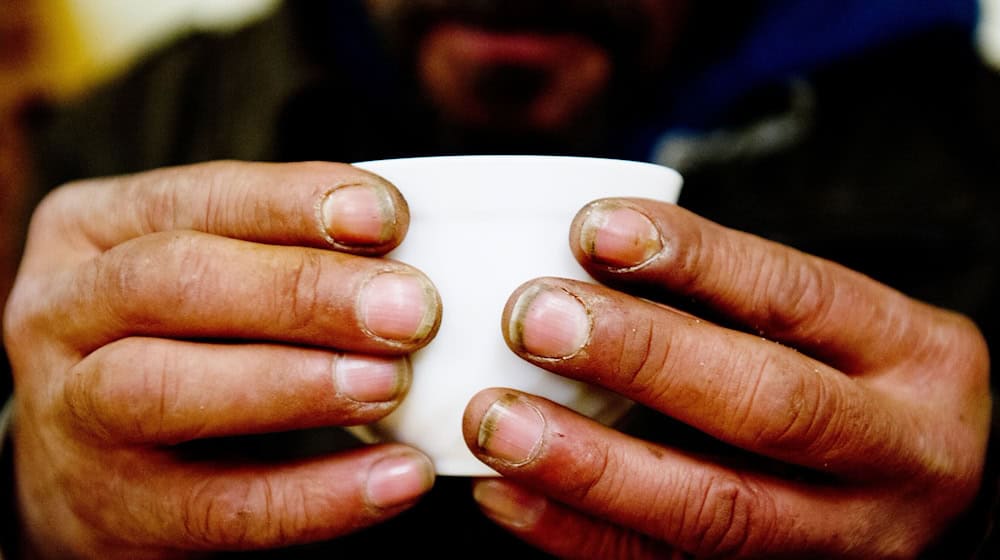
(504, 428)
(364, 214)
(508, 504)
(475, 409)
(398, 480)
(617, 235)
(399, 306)
(372, 379)
(544, 321)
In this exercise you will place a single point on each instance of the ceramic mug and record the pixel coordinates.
(480, 226)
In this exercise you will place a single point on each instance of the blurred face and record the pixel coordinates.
(523, 65)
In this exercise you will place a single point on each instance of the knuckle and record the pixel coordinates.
(786, 411)
(796, 293)
(588, 477)
(26, 312)
(84, 409)
(299, 291)
(720, 512)
(192, 283)
(221, 199)
(240, 513)
(217, 515)
(161, 204)
(133, 408)
(19, 317)
(141, 277)
(50, 213)
(962, 347)
(688, 255)
(641, 356)
(155, 398)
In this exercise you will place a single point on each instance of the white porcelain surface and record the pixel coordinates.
(480, 227)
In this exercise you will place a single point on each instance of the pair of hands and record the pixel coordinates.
(235, 298)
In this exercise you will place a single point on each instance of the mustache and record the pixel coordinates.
(619, 25)
(532, 13)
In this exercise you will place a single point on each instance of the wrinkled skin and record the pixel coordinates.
(195, 302)
(208, 301)
(227, 298)
(882, 400)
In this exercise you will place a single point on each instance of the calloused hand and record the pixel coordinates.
(204, 301)
(878, 405)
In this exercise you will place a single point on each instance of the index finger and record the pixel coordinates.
(313, 204)
(767, 288)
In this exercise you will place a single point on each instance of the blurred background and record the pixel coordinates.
(56, 50)
(60, 48)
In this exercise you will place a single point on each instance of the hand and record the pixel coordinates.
(200, 302)
(864, 414)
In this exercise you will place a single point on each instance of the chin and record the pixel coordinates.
(513, 81)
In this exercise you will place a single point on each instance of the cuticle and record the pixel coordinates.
(515, 330)
(387, 211)
(318, 208)
(588, 233)
(488, 427)
(516, 327)
(659, 237)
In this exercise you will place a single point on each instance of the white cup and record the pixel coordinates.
(480, 226)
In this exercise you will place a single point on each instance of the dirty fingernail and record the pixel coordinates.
(359, 215)
(399, 306)
(398, 480)
(619, 236)
(549, 322)
(511, 430)
(370, 379)
(508, 504)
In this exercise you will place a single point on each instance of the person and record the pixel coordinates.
(185, 334)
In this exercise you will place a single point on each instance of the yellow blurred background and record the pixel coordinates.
(59, 48)
(56, 50)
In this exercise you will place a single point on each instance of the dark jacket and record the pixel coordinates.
(879, 150)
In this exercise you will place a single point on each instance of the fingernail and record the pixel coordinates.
(619, 236)
(359, 215)
(370, 379)
(399, 306)
(549, 322)
(511, 430)
(399, 480)
(509, 505)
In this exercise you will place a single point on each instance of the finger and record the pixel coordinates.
(158, 391)
(700, 507)
(310, 204)
(560, 531)
(751, 393)
(241, 507)
(768, 288)
(188, 285)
